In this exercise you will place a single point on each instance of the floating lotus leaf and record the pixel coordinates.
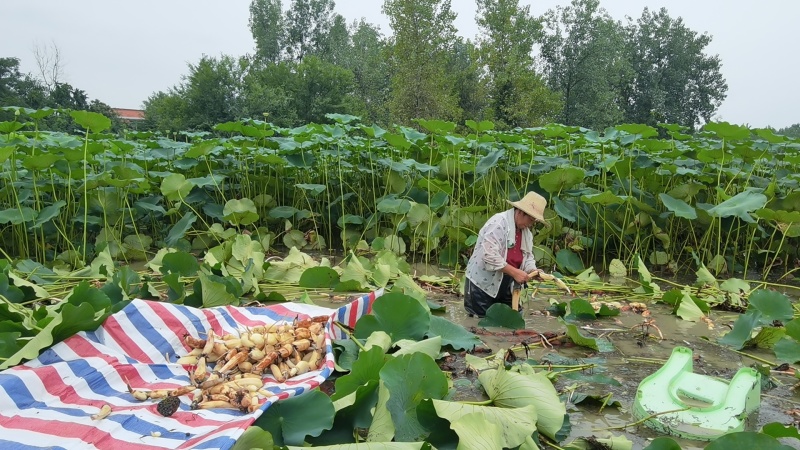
(515, 390)
(291, 420)
(501, 315)
(399, 315)
(746, 439)
(452, 334)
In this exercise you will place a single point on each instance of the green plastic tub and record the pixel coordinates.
(695, 406)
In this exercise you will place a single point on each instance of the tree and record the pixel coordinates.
(371, 72)
(338, 48)
(165, 111)
(674, 80)
(467, 84)
(423, 36)
(308, 24)
(212, 90)
(268, 89)
(266, 25)
(790, 131)
(48, 61)
(585, 61)
(517, 94)
(321, 88)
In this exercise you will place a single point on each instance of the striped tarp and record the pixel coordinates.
(48, 402)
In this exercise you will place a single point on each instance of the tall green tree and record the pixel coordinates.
(165, 111)
(518, 95)
(268, 93)
(674, 80)
(585, 61)
(308, 24)
(464, 66)
(368, 62)
(212, 90)
(321, 88)
(424, 35)
(267, 28)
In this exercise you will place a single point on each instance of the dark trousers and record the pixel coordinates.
(476, 301)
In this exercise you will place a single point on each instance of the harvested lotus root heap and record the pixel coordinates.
(228, 371)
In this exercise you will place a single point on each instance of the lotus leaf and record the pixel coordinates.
(240, 212)
(399, 315)
(411, 378)
(289, 421)
(382, 427)
(561, 179)
(501, 315)
(772, 305)
(92, 121)
(740, 205)
(430, 347)
(742, 329)
(513, 425)
(746, 439)
(515, 390)
(254, 438)
(779, 430)
(580, 309)
(452, 334)
(178, 231)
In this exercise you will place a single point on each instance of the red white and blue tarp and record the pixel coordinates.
(48, 402)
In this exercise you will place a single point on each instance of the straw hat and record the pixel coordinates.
(532, 204)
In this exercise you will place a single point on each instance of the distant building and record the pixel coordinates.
(131, 116)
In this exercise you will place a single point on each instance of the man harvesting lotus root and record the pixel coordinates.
(503, 255)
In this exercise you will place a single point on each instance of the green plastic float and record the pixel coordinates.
(702, 407)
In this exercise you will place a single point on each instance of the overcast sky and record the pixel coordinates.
(122, 52)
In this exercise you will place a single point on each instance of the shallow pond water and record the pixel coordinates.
(631, 341)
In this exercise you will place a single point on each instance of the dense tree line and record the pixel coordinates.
(574, 65)
(26, 90)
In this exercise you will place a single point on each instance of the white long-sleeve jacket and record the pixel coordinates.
(496, 236)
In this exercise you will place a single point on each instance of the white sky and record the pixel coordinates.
(122, 52)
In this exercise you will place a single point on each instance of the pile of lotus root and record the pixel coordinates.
(228, 371)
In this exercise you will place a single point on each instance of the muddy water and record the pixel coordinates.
(622, 364)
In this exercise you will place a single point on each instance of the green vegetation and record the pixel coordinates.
(725, 197)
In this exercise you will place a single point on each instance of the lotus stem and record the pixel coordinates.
(638, 422)
(350, 335)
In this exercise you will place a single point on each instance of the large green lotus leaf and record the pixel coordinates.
(380, 339)
(215, 291)
(394, 206)
(617, 268)
(353, 412)
(476, 433)
(240, 212)
(514, 424)
(604, 198)
(515, 390)
(404, 284)
(787, 350)
(291, 420)
(366, 368)
(254, 438)
(793, 329)
(767, 337)
(179, 230)
(399, 315)
(580, 309)
(382, 427)
(16, 216)
(175, 187)
(727, 131)
(313, 189)
(688, 309)
(748, 440)
(772, 305)
(294, 239)
(561, 179)
(735, 286)
(319, 277)
(646, 280)
(488, 162)
(245, 249)
(92, 121)
(740, 205)
(48, 213)
(346, 352)
(181, 263)
(381, 274)
(779, 430)
(356, 272)
(430, 347)
(679, 207)
(418, 214)
(437, 126)
(501, 315)
(578, 339)
(9, 291)
(742, 329)
(69, 320)
(291, 268)
(663, 443)
(452, 334)
(410, 379)
(479, 127)
(569, 261)
(283, 212)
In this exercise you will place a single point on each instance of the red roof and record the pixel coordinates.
(129, 114)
